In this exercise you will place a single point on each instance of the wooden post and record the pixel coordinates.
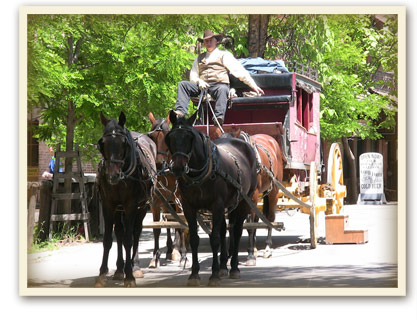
(44, 209)
(32, 190)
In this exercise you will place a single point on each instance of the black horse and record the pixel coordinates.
(212, 176)
(126, 179)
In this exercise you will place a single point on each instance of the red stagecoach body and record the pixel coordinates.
(289, 111)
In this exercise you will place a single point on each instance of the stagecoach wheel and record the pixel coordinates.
(313, 213)
(335, 176)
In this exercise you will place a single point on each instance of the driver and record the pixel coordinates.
(210, 72)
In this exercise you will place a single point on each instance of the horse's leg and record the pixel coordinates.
(251, 259)
(190, 215)
(241, 213)
(129, 223)
(156, 212)
(215, 242)
(120, 263)
(137, 272)
(223, 248)
(182, 248)
(107, 244)
(178, 253)
(270, 203)
(169, 245)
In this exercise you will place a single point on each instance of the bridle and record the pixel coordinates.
(159, 130)
(129, 144)
(210, 148)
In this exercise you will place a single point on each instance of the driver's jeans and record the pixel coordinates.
(187, 89)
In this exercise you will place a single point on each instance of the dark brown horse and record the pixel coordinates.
(167, 186)
(208, 174)
(271, 158)
(126, 179)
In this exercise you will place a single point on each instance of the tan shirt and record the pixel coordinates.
(228, 61)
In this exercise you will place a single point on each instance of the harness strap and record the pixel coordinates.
(207, 168)
(247, 199)
(284, 190)
(170, 209)
(261, 166)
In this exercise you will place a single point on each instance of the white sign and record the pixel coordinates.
(371, 166)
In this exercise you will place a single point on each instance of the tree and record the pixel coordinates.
(347, 50)
(257, 34)
(79, 65)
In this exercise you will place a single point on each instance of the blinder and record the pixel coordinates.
(175, 152)
(100, 146)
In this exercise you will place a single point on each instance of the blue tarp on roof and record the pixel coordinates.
(256, 65)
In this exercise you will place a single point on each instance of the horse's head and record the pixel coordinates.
(180, 142)
(113, 146)
(159, 129)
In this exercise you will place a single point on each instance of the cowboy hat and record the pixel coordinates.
(209, 34)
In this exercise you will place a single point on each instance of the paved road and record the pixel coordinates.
(292, 265)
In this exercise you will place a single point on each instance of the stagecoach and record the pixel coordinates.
(281, 162)
(290, 113)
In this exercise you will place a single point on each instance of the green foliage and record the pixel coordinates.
(347, 50)
(65, 235)
(132, 63)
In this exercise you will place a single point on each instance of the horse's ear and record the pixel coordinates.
(167, 119)
(151, 117)
(237, 133)
(103, 119)
(191, 120)
(122, 119)
(172, 117)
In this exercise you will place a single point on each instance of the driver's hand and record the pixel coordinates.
(203, 85)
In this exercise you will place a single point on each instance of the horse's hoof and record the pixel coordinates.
(175, 256)
(118, 276)
(154, 264)
(138, 273)
(251, 262)
(100, 282)
(223, 273)
(267, 254)
(193, 281)
(129, 283)
(234, 274)
(214, 281)
(168, 256)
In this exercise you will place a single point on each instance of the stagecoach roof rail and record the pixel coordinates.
(302, 69)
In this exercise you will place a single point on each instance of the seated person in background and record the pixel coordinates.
(210, 72)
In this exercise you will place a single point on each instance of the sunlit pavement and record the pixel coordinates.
(292, 265)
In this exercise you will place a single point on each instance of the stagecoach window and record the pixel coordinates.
(305, 108)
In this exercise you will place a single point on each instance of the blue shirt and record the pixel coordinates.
(52, 165)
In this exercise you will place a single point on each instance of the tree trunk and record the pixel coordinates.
(258, 28)
(73, 54)
(352, 188)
